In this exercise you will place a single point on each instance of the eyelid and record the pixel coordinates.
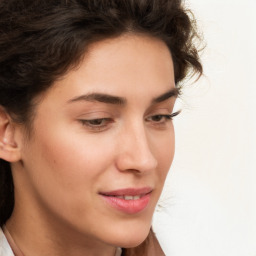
(105, 122)
(96, 127)
(95, 115)
(164, 112)
(166, 117)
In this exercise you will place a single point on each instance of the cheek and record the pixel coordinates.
(164, 151)
(75, 160)
(64, 168)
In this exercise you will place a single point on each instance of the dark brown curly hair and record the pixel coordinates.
(41, 40)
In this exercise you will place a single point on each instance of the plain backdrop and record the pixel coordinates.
(208, 207)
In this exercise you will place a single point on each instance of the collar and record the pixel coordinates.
(5, 248)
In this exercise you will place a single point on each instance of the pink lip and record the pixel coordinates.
(128, 206)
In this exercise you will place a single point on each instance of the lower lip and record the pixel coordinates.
(128, 206)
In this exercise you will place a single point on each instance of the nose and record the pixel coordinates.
(135, 151)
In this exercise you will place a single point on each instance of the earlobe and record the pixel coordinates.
(9, 150)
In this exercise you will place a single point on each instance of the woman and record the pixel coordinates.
(87, 90)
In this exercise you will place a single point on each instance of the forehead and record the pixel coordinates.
(124, 66)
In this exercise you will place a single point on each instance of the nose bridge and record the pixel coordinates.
(135, 151)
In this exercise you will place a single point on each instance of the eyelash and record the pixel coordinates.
(166, 117)
(93, 125)
(99, 124)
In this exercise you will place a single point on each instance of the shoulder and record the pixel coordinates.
(5, 249)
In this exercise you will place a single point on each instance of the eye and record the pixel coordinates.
(162, 119)
(159, 118)
(96, 124)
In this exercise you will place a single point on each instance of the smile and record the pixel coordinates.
(130, 197)
(129, 201)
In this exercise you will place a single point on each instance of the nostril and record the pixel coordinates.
(134, 151)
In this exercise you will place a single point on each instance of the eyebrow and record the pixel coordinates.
(116, 100)
(174, 92)
(100, 97)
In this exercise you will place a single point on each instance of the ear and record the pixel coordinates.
(9, 150)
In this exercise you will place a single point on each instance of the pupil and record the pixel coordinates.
(157, 118)
(96, 121)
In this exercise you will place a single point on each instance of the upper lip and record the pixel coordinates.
(128, 192)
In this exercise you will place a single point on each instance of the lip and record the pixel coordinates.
(131, 206)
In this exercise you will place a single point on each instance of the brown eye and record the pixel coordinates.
(97, 124)
(159, 118)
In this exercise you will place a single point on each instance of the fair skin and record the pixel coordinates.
(84, 144)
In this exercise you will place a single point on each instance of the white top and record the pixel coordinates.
(5, 249)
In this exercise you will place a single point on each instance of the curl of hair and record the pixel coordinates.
(42, 40)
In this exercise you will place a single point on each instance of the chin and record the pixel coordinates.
(132, 238)
(133, 244)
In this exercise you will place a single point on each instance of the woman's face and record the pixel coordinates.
(102, 143)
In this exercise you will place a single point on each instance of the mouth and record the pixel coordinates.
(130, 197)
(130, 200)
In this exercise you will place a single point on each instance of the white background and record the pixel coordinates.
(208, 207)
